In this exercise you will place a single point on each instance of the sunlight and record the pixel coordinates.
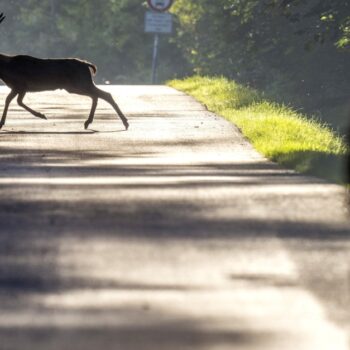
(197, 180)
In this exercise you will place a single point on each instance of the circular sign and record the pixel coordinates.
(160, 5)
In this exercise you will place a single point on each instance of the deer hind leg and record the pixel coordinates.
(8, 100)
(108, 98)
(92, 112)
(20, 103)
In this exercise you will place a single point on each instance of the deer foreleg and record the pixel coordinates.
(8, 100)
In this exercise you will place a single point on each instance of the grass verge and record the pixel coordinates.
(278, 132)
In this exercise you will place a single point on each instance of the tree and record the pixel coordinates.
(320, 20)
(108, 33)
(294, 50)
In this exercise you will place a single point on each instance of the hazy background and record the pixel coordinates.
(297, 52)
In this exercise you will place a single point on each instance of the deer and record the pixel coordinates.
(23, 73)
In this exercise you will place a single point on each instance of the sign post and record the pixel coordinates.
(157, 21)
(155, 58)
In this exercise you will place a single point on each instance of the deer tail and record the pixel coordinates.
(92, 67)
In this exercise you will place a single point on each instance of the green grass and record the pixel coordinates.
(278, 132)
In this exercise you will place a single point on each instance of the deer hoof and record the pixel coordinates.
(86, 125)
(41, 116)
(126, 124)
(1, 125)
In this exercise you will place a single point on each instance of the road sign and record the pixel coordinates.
(158, 22)
(160, 5)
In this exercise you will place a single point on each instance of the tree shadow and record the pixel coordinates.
(164, 333)
(89, 131)
(327, 166)
(21, 132)
(50, 207)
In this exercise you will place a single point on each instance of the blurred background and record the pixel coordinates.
(296, 52)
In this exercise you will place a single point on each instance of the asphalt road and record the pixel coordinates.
(173, 235)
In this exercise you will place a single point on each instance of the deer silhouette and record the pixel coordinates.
(24, 74)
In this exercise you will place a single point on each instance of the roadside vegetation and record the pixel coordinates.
(297, 52)
(277, 131)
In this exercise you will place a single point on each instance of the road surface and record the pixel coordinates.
(172, 235)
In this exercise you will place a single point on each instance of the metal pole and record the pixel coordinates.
(154, 58)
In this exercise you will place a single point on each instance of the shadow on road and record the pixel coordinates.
(57, 204)
(87, 132)
(48, 132)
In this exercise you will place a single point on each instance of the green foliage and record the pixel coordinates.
(275, 130)
(219, 94)
(320, 20)
(296, 51)
(109, 33)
